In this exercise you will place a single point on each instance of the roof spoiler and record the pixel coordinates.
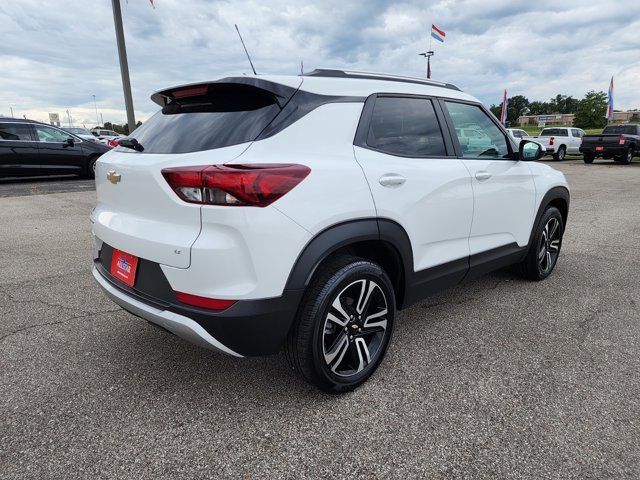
(281, 93)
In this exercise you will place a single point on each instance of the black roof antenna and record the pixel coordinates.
(245, 50)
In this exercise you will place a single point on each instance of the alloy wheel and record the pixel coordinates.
(549, 246)
(354, 328)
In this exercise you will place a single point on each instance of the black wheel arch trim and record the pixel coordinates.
(554, 194)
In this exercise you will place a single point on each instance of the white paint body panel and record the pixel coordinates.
(434, 204)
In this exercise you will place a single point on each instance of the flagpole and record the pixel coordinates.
(124, 65)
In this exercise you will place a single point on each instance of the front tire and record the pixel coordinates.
(344, 325)
(545, 247)
(90, 169)
(560, 154)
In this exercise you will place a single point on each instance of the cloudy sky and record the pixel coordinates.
(56, 54)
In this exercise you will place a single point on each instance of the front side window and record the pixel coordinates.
(48, 134)
(478, 136)
(15, 132)
(405, 126)
(576, 132)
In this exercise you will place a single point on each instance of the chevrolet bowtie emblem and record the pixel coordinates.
(113, 177)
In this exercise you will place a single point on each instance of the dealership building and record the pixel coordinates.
(632, 116)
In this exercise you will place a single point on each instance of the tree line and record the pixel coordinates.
(121, 129)
(589, 111)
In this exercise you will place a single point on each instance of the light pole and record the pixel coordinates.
(124, 66)
(96, 107)
(428, 55)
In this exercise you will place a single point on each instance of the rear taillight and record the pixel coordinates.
(204, 302)
(550, 141)
(256, 185)
(621, 140)
(113, 142)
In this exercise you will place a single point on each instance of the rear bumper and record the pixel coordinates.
(248, 328)
(179, 325)
(608, 151)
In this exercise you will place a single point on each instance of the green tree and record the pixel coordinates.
(591, 111)
(518, 105)
(563, 104)
(540, 108)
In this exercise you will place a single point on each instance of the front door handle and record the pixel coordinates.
(483, 176)
(392, 180)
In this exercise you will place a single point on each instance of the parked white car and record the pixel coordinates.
(256, 213)
(103, 135)
(517, 134)
(558, 141)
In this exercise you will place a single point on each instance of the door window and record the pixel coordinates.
(405, 126)
(576, 132)
(478, 136)
(15, 132)
(48, 134)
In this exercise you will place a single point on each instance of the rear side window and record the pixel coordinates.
(15, 131)
(227, 115)
(405, 126)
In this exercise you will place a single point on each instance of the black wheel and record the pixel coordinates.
(545, 246)
(344, 324)
(626, 158)
(90, 169)
(560, 154)
(588, 158)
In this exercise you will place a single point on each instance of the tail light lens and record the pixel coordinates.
(204, 302)
(621, 140)
(256, 185)
(113, 142)
(551, 141)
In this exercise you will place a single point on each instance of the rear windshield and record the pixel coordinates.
(629, 129)
(227, 115)
(558, 132)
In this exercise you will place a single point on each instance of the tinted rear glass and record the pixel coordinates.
(558, 132)
(405, 126)
(228, 115)
(617, 129)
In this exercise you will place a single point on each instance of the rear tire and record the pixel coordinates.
(588, 158)
(627, 157)
(560, 154)
(545, 247)
(341, 333)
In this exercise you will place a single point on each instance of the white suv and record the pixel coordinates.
(259, 212)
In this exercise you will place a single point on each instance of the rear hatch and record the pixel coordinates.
(203, 124)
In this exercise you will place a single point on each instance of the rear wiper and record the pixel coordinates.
(131, 143)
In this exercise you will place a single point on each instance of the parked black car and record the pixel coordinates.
(29, 148)
(620, 142)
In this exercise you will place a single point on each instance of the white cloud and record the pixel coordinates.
(56, 55)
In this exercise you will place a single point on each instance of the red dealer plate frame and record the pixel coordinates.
(124, 266)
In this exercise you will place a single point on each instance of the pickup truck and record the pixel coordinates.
(558, 141)
(620, 142)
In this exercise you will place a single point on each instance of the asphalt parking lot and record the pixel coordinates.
(500, 378)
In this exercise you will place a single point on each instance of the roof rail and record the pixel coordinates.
(328, 72)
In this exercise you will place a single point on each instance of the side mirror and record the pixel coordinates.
(68, 142)
(530, 151)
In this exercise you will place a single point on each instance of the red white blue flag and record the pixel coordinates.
(610, 102)
(505, 103)
(437, 33)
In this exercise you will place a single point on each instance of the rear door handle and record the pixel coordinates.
(483, 176)
(392, 180)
